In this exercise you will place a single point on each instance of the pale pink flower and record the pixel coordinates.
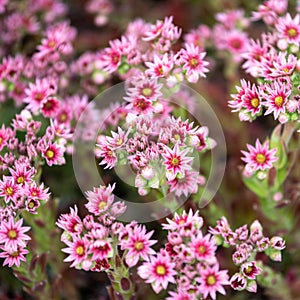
(260, 157)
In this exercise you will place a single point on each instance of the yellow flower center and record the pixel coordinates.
(79, 250)
(161, 270)
(286, 70)
(292, 32)
(31, 204)
(146, 91)
(1, 140)
(63, 117)
(211, 280)
(260, 158)
(175, 161)
(248, 270)
(21, 179)
(278, 101)
(193, 62)
(119, 142)
(201, 249)
(50, 154)
(9, 191)
(12, 234)
(254, 102)
(102, 204)
(139, 246)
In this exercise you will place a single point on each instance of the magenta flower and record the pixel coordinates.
(13, 234)
(176, 161)
(159, 271)
(238, 282)
(250, 270)
(212, 281)
(259, 157)
(13, 256)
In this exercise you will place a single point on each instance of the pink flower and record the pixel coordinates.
(70, 222)
(100, 249)
(139, 245)
(37, 94)
(13, 234)
(193, 62)
(13, 256)
(184, 221)
(250, 270)
(203, 247)
(160, 67)
(212, 281)
(54, 154)
(277, 243)
(289, 28)
(259, 157)
(176, 161)
(159, 271)
(181, 295)
(77, 250)
(100, 199)
(4, 136)
(22, 173)
(186, 185)
(238, 282)
(9, 189)
(34, 191)
(276, 96)
(50, 107)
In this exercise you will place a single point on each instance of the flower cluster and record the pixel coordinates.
(247, 245)
(160, 147)
(273, 60)
(94, 242)
(188, 260)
